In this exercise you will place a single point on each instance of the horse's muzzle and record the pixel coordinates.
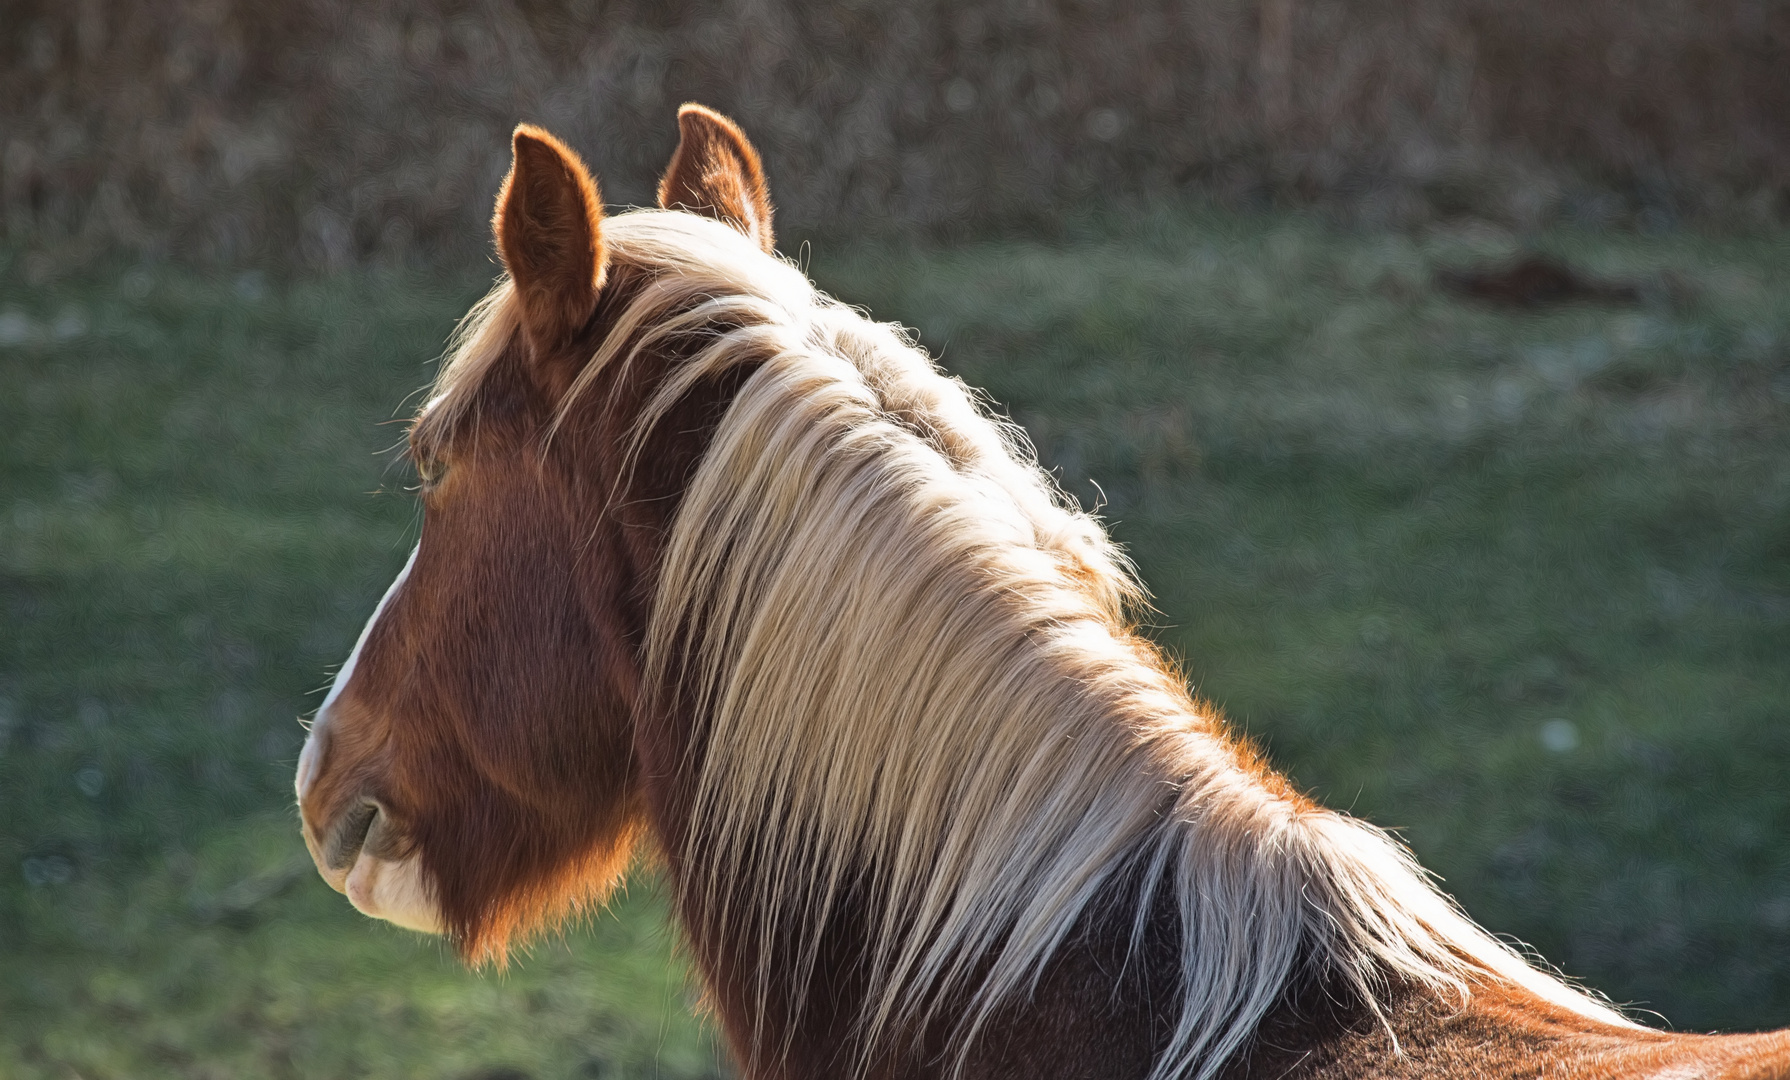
(361, 852)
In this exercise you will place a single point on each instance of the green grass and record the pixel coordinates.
(1406, 542)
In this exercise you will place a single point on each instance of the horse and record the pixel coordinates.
(718, 572)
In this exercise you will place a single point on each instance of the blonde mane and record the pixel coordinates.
(919, 683)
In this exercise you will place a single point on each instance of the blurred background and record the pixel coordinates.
(326, 134)
(1431, 357)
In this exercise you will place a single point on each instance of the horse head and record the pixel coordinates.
(473, 768)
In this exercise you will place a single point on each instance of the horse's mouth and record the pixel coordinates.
(365, 856)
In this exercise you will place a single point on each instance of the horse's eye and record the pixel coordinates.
(431, 471)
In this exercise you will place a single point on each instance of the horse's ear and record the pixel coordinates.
(716, 173)
(549, 227)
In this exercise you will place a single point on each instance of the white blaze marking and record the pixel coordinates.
(394, 891)
(308, 758)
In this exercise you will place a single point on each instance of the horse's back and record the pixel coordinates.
(1501, 1032)
(1106, 1005)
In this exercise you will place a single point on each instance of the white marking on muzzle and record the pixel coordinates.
(311, 757)
(393, 891)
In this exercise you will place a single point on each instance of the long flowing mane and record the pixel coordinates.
(920, 686)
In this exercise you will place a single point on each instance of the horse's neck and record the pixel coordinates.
(1104, 1006)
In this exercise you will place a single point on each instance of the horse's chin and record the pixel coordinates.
(395, 891)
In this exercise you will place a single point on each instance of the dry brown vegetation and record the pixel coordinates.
(342, 131)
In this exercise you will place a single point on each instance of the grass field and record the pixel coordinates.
(1516, 584)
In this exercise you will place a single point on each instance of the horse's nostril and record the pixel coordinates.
(384, 840)
(348, 837)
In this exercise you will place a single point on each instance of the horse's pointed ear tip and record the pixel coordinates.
(536, 149)
(696, 115)
(529, 139)
(539, 144)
